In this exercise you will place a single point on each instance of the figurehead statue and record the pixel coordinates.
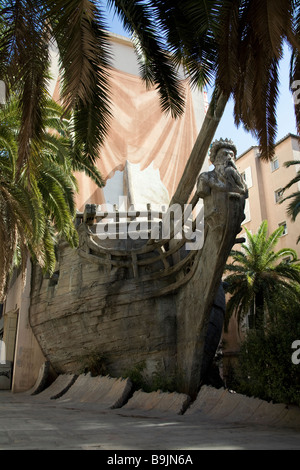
(215, 186)
(225, 176)
(221, 144)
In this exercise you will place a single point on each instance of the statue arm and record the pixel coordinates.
(203, 187)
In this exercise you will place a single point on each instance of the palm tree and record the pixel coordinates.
(258, 275)
(294, 206)
(237, 45)
(37, 205)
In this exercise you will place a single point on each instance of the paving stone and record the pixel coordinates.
(29, 424)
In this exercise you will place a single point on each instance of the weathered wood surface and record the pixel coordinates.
(88, 311)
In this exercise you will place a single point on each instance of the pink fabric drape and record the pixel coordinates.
(141, 133)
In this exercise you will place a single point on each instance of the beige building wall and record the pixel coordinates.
(264, 179)
(22, 348)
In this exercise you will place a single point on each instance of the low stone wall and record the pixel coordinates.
(211, 404)
(58, 388)
(41, 381)
(176, 403)
(104, 390)
(221, 404)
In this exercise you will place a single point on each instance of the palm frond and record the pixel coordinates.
(293, 208)
(291, 162)
(258, 274)
(290, 272)
(295, 61)
(252, 43)
(27, 61)
(156, 65)
(293, 181)
(37, 205)
(196, 52)
(80, 163)
(79, 31)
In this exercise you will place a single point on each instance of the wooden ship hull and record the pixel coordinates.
(137, 301)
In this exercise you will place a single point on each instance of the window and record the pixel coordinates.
(248, 321)
(274, 164)
(247, 212)
(278, 195)
(246, 242)
(283, 224)
(247, 177)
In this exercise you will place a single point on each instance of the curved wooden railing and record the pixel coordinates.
(150, 249)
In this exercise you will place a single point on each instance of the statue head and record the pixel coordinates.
(219, 145)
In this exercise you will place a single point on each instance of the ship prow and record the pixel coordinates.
(142, 288)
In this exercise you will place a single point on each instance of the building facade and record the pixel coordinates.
(265, 181)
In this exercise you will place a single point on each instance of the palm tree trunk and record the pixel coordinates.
(200, 149)
(259, 311)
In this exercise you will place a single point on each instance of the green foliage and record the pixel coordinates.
(294, 198)
(162, 382)
(157, 381)
(37, 204)
(261, 283)
(265, 368)
(257, 273)
(79, 30)
(95, 363)
(223, 42)
(136, 375)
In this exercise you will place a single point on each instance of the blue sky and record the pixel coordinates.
(227, 129)
(285, 114)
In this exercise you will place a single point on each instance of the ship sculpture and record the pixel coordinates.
(145, 287)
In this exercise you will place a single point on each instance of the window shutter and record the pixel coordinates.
(248, 177)
(247, 212)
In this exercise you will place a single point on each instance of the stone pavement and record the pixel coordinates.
(28, 423)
